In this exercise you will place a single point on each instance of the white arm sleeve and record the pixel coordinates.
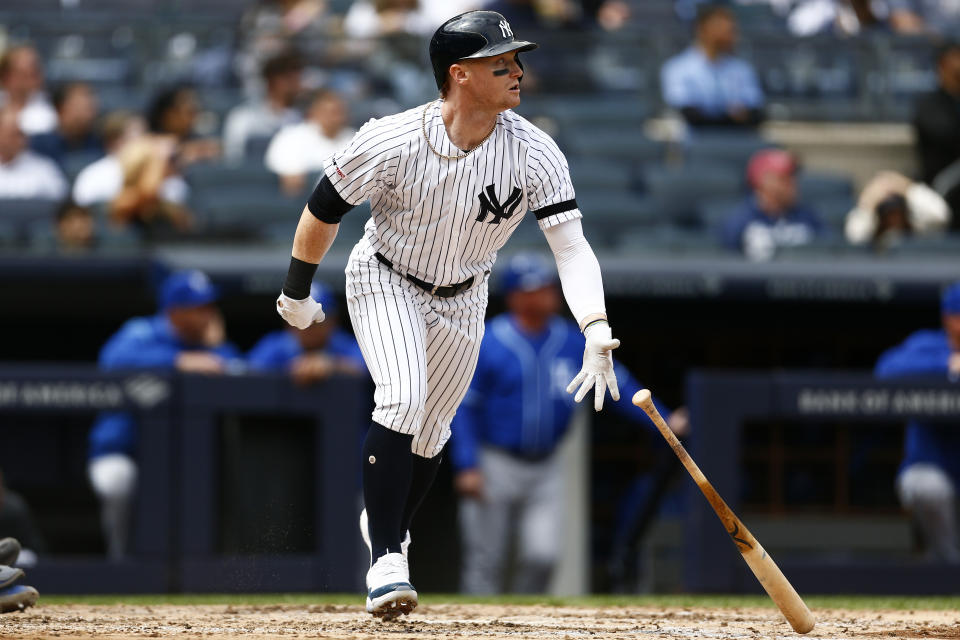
(578, 268)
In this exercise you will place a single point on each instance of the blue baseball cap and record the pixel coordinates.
(190, 288)
(527, 272)
(950, 302)
(322, 294)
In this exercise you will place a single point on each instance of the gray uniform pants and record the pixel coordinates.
(927, 492)
(521, 498)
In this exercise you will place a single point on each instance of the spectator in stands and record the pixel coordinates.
(17, 521)
(312, 354)
(187, 335)
(930, 471)
(75, 228)
(771, 217)
(532, 14)
(264, 117)
(377, 18)
(936, 123)
(76, 106)
(148, 164)
(940, 17)
(892, 206)
(508, 431)
(270, 26)
(21, 82)
(101, 180)
(173, 112)
(707, 83)
(837, 17)
(23, 173)
(300, 149)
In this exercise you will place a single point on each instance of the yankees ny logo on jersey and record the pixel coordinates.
(490, 204)
(505, 29)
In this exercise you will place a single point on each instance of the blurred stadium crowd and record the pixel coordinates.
(144, 122)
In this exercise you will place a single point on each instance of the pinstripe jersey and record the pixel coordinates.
(444, 220)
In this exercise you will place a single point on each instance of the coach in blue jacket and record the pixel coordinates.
(511, 424)
(187, 334)
(930, 471)
(312, 354)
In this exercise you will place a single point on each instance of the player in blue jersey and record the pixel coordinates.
(510, 426)
(186, 335)
(310, 354)
(930, 471)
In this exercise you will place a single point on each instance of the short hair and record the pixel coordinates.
(163, 102)
(323, 94)
(706, 12)
(67, 207)
(7, 58)
(285, 62)
(60, 94)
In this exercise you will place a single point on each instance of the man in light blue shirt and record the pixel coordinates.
(707, 83)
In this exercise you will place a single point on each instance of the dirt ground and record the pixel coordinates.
(461, 621)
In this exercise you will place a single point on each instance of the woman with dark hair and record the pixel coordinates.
(174, 112)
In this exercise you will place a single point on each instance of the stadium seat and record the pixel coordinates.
(730, 150)
(214, 175)
(629, 145)
(712, 213)
(815, 185)
(679, 192)
(599, 174)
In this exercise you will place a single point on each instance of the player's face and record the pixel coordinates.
(537, 305)
(191, 323)
(951, 324)
(495, 81)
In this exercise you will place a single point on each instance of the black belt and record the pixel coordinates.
(446, 291)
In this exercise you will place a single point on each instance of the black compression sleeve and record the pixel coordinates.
(299, 278)
(326, 204)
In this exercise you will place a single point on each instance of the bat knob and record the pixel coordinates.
(641, 397)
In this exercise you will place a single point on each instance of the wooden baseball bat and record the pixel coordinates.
(764, 568)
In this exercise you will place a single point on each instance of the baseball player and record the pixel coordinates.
(448, 182)
(312, 354)
(510, 427)
(930, 471)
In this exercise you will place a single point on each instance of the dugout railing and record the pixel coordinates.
(721, 402)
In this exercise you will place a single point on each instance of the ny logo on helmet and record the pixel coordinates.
(490, 204)
(505, 29)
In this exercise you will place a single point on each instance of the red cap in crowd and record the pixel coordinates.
(770, 161)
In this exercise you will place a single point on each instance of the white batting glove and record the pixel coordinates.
(597, 372)
(300, 313)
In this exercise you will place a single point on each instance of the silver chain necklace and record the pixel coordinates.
(442, 155)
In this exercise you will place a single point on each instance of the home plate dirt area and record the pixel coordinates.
(463, 621)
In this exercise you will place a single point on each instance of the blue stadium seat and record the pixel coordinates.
(821, 184)
(679, 192)
(597, 173)
(730, 150)
(214, 175)
(712, 213)
(629, 145)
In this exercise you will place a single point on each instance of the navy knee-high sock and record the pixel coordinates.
(424, 472)
(387, 464)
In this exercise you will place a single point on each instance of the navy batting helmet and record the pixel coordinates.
(474, 34)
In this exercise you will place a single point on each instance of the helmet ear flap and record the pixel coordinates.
(519, 64)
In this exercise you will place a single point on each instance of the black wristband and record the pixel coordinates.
(299, 278)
